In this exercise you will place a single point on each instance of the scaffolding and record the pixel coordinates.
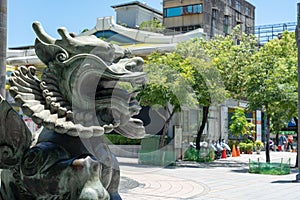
(269, 32)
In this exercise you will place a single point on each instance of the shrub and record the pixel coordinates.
(258, 145)
(249, 147)
(121, 140)
(202, 155)
(242, 146)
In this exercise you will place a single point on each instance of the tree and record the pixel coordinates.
(218, 68)
(3, 45)
(196, 80)
(229, 55)
(204, 79)
(166, 87)
(239, 125)
(152, 26)
(272, 82)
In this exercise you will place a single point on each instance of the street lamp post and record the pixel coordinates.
(298, 130)
(3, 45)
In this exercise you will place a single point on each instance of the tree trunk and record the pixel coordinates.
(202, 126)
(165, 130)
(268, 139)
(3, 45)
(296, 120)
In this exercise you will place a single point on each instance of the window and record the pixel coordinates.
(247, 30)
(197, 8)
(226, 24)
(238, 5)
(229, 2)
(183, 10)
(214, 13)
(192, 9)
(247, 11)
(187, 10)
(173, 12)
(238, 17)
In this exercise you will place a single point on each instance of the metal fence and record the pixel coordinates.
(272, 31)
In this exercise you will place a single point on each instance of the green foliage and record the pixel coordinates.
(247, 141)
(152, 26)
(202, 155)
(239, 124)
(226, 57)
(249, 146)
(122, 24)
(231, 66)
(202, 75)
(167, 88)
(85, 30)
(121, 140)
(272, 80)
(166, 84)
(242, 146)
(258, 144)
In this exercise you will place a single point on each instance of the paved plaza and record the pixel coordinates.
(224, 179)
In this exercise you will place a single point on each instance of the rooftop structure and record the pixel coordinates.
(132, 14)
(140, 42)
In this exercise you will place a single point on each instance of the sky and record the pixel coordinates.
(79, 15)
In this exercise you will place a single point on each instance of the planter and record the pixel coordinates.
(249, 148)
(248, 151)
(258, 145)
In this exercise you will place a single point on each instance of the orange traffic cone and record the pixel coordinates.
(233, 151)
(238, 153)
(224, 154)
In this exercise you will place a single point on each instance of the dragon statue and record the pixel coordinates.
(76, 101)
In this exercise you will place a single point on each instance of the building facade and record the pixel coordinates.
(132, 14)
(216, 17)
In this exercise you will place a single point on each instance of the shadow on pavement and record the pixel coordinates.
(128, 184)
(242, 170)
(285, 181)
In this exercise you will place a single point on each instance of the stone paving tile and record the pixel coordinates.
(162, 187)
(223, 180)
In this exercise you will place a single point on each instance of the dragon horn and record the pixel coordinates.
(41, 34)
(64, 33)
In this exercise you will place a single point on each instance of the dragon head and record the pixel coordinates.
(81, 92)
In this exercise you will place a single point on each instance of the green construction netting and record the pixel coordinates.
(275, 168)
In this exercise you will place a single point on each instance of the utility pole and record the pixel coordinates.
(298, 130)
(3, 45)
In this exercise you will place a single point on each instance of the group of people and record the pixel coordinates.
(286, 143)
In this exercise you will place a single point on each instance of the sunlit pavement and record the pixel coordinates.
(222, 179)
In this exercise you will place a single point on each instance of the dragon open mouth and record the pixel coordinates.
(108, 93)
(117, 106)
